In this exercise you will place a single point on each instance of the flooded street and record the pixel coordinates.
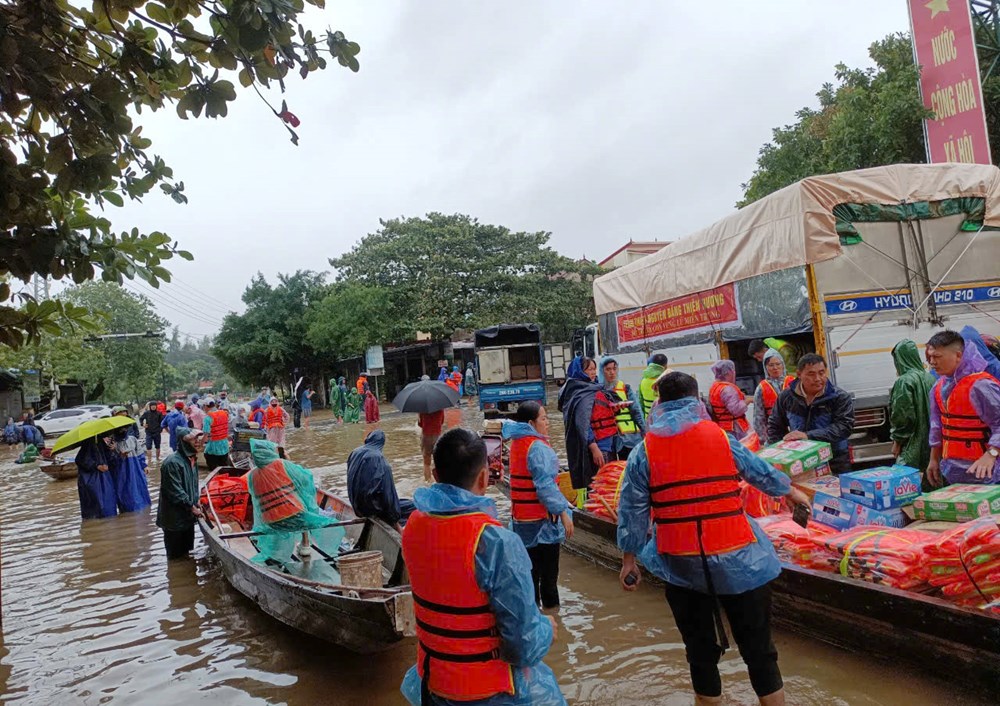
(93, 615)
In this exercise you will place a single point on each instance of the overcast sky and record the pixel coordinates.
(597, 122)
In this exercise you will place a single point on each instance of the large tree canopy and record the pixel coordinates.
(443, 273)
(265, 344)
(870, 118)
(74, 76)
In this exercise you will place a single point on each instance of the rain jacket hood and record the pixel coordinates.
(263, 452)
(771, 353)
(653, 371)
(972, 361)
(443, 498)
(519, 430)
(676, 416)
(183, 447)
(906, 357)
(376, 440)
(971, 336)
(724, 370)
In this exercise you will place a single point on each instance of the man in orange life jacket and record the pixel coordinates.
(628, 412)
(726, 402)
(704, 547)
(965, 414)
(481, 637)
(216, 426)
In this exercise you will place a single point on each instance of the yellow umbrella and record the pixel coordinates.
(88, 430)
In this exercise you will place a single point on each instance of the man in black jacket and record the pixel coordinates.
(814, 408)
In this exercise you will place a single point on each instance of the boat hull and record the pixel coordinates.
(361, 625)
(60, 471)
(883, 622)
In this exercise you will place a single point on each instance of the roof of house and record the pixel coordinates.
(645, 247)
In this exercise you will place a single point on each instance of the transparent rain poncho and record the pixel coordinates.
(277, 540)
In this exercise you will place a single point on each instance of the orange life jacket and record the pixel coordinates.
(274, 417)
(220, 425)
(524, 503)
(721, 414)
(963, 433)
(694, 493)
(458, 648)
(603, 419)
(275, 492)
(770, 396)
(452, 383)
(361, 385)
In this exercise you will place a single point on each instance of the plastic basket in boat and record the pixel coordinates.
(362, 570)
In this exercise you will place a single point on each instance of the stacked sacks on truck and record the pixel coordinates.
(889, 556)
(965, 563)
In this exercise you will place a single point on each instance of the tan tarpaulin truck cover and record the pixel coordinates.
(792, 227)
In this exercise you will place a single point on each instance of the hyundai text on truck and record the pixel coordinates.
(511, 364)
(844, 265)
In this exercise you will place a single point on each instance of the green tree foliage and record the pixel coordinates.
(353, 317)
(871, 117)
(116, 370)
(190, 361)
(74, 76)
(266, 343)
(442, 273)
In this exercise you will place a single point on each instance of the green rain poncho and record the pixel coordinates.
(276, 540)
(353, 412)
(909, 400)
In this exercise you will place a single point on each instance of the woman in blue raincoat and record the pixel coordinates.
(542, 538)
(93, 480)
(128, 472)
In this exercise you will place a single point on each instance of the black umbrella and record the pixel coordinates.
(426, 396)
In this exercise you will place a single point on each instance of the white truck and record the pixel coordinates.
(846, 265)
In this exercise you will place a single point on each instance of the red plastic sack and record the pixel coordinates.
(229, 496)
(889, 556)
(793, 543)
(965, 562)
(605, 489)
(751, 441)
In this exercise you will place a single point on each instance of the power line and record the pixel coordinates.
(191, 314)
(160, 295)
(190, 286)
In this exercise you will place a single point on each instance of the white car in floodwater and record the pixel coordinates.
(60, 421)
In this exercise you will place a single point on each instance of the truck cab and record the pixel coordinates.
(511, 364)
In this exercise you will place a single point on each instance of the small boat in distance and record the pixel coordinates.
(56, 470)
(361, 619)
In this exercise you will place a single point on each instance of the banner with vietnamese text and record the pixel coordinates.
(944, 46)
(714, 309)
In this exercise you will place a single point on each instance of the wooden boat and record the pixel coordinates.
(885, 623)
(363, 620)
(60, 470)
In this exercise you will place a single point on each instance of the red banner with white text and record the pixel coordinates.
(944, 46)
(717, 308)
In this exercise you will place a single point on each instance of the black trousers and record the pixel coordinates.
(545, 574)
(749, 616)
(178, 543)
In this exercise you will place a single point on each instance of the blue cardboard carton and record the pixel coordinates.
(833, 511)
(882, 488)
(864, 515)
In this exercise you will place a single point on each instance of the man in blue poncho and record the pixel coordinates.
(370, 485)
(481, 637)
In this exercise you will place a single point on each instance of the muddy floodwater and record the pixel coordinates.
(92, 614)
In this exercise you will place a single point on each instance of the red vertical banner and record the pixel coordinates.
(944, 46)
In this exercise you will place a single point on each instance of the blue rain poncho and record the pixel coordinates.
(96, 488)
(503, 571)
(543, 464)
(128, 472)
(370, 485)
(576, 402)
(277, 540)
(732, 572)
